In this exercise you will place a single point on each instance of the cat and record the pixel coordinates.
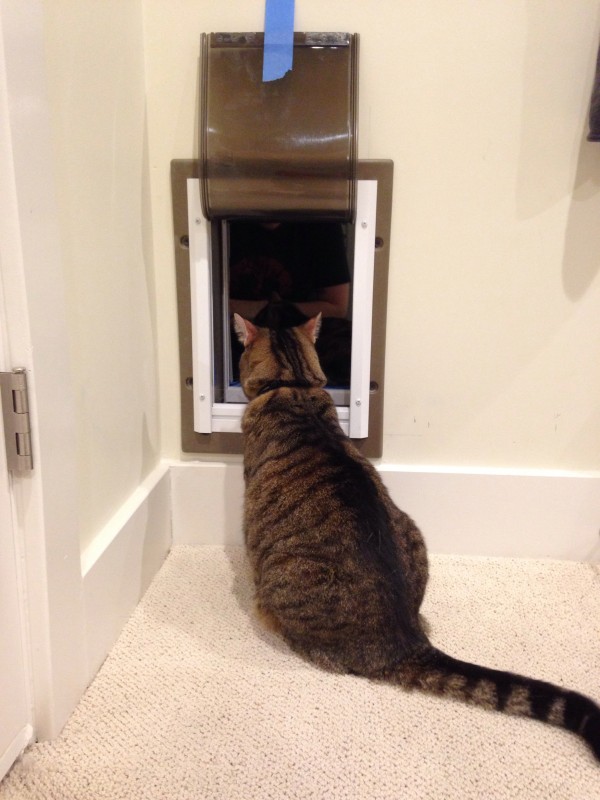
(333, 344)
(340, 572)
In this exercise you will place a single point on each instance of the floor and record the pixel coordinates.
(197, 701)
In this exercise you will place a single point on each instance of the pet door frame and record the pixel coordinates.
(210, 426)
(210, 416)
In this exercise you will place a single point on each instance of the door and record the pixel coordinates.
(45, 543)
(16, 715)
(16, 728)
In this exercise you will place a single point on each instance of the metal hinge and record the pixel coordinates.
(15, 410)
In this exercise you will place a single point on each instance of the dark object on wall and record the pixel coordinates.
(594, 134)
(285, 149)
(229, 442)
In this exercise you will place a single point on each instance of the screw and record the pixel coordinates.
(202, 397)
(358, 402)
(363, 224)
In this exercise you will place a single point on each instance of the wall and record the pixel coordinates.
(96, 84)
(493, 330)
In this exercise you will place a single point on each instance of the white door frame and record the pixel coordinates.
(16, 720)
(32, 277)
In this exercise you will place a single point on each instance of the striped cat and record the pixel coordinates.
(340, 571)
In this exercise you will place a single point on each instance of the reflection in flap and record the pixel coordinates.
(285, 149)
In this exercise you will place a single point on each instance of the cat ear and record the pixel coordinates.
(312, 327)
(246, 331)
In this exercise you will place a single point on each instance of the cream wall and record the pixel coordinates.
(96, 84)
(493, 316)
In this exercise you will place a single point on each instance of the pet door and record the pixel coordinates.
(284, 148)
(210, 423)
(279, 217)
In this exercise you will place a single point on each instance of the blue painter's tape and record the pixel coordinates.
(279, 39)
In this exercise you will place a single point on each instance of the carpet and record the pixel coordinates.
(196, 701)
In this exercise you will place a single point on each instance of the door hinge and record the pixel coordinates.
(17, 429)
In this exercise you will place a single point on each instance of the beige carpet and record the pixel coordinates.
(195, 701)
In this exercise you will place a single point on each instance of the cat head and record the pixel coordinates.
(286, 354)
(279, 314)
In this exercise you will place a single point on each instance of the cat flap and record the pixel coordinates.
(282, 149)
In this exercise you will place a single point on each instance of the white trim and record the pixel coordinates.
(227, 417)
(39, 341)
(106, 535)
(210, 416)
(234, 394)
(201, 299)
(362, 308)
(519, 514)
(479, 512)
(206, 503)
(14, 750)
(522, 472)
(118, 565)
(16, 688)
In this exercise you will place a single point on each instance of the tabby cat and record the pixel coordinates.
(340, 571)
(334, 345)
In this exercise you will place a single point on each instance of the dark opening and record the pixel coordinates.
(279, 274)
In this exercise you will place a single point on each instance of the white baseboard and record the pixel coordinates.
(120, 562)
(462, 512)
(207, 500)
(501, 513)
(15, 748)
(518, 514)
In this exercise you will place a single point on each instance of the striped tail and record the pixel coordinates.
(437, 673)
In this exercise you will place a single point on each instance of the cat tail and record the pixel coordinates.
(437, 673)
